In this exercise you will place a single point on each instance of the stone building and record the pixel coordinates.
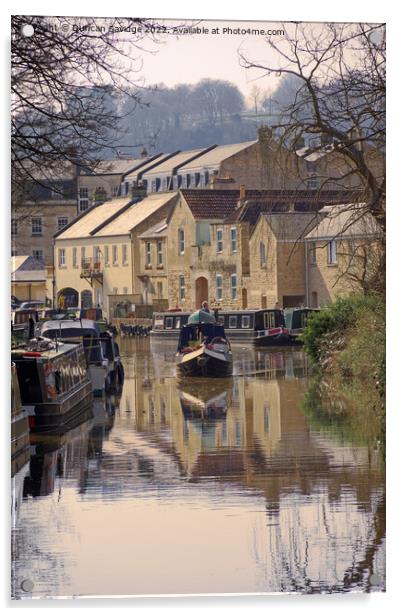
(104, 182)
(28, 279)
(212, 255)
(42, 208)
(343, 253)
(98, 255)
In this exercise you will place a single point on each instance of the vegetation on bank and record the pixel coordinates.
(346, 341)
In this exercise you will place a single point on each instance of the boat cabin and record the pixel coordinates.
(194, 334)
(79, 330)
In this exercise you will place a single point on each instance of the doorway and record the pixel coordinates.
(201, 291)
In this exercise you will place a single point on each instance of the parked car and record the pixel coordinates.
(36, 304)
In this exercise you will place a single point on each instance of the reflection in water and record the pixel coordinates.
(201, 486)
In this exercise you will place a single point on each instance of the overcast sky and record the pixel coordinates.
(189, 58)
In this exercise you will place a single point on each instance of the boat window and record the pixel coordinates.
(28, 379)
(169, 323)
(269, 319)
(177, 324)
(245, 321)
(233, 320)
(158, 323)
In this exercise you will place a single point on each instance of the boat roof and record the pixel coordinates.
(84, 324)
(62, 349)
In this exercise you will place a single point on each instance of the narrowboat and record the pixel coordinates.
(24, 323)
(87, 332)
(19, 425)
(53, 382)
(296, 320)
(203, 349)
(263, 327)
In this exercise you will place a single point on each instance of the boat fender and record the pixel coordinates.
(201, 361)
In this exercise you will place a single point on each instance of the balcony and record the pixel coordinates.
(91, 270)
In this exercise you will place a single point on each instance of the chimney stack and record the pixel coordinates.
(242, 191)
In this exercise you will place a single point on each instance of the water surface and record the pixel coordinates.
(200, 486)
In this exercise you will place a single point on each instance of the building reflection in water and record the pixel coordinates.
(312, 507)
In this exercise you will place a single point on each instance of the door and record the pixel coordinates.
(201, 291)
(244, 298)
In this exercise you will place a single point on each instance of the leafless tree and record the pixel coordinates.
(340, 101)
(66, 82)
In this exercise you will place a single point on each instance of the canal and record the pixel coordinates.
(200, 486)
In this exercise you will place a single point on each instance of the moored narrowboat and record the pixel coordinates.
(53, 382)
(296, 321)
(87, 332)
(262, 327)
(203, 349)
(19, 424)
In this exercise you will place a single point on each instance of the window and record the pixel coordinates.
(331, 253)
(106, 252)
(115, 290)
(232, 320)
(219, 240)
(245, 321)
(188, 180)
(206, 178)
(124, 254)
(38, 254)
(75, 257)
(82, 256)
(157, 184)
(181, 242)
(269, 320)
(233, 239)
(313, 254)
(233, 286)
(97, 254)
(219, 287)
(159, 253)
(114, 255)
(83, 199)
(312, 183)
(61, 223)
(115, 190)
(263, 254)
(14, 226)
(197, 177)
(182, 287)
(159, 290)
(62, 257)
(153, 185)
(36, 225)
(169, 322)
(148, 254)
(125, 290)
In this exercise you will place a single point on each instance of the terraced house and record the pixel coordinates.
(240, 249)
(98, 255)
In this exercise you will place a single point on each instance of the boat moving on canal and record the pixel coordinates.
(264, 327)
(203, 349)
(53, 382)
(88, 332)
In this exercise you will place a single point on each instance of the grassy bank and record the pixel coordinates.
(346, 341)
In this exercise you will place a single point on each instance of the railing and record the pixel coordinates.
(91, 269)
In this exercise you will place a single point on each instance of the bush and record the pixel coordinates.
(336, 319)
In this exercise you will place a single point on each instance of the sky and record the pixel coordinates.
(189, 58)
